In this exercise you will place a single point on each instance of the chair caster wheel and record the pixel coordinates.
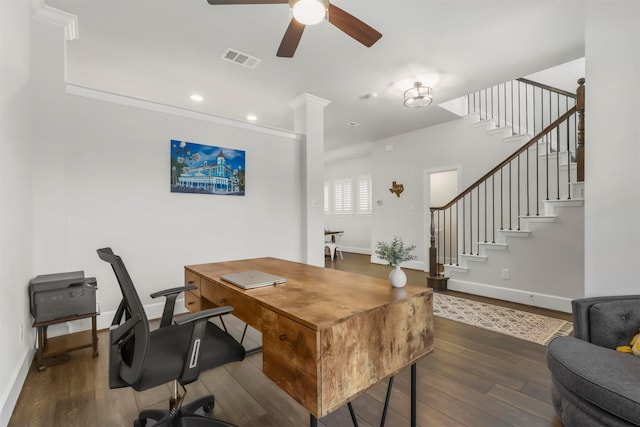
(208, 407)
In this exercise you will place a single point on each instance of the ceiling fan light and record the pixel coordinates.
(309, 12)
(418, 96)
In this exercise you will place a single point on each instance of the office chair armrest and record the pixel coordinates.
(205, 314)
(170, 302)
(172, 291)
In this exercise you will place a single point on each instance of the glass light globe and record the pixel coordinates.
(309, 12)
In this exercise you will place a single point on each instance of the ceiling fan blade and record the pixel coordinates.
(216, 2)
(291, 39)
(353, 26)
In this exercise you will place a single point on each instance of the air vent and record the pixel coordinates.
(240, 58)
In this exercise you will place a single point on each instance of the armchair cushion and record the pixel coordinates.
(600, 376)
(582, 312)
(614, 323)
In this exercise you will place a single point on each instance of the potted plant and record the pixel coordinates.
(394, 254)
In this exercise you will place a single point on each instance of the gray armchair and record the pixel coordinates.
(592, 384)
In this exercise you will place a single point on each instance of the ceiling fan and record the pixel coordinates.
(338, 17)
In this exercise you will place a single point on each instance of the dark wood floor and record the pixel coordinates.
(474, 377)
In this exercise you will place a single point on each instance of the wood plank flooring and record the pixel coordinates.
(474, 377)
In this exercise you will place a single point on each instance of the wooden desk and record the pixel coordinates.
(327, 335)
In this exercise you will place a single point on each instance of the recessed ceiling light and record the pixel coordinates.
(252, 117)
(353, 124)
(196, 98)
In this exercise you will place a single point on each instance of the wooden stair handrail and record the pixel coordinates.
(505, 162)
(549, 88)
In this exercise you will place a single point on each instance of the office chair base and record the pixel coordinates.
(197, 412)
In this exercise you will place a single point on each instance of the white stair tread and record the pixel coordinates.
(457, 268)
(473, 117)
(505, 131)
(494, 246)
(474, 258)
(518, 138)
(566, 202)
(515, 233)
(553, 157)
(489, 124)
(538, 218)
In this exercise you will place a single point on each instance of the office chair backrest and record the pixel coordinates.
(126, 360)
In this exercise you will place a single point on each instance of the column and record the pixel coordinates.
(309, 121)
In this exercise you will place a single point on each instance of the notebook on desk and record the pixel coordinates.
(252, 279)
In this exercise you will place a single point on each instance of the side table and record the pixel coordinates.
(64, 343)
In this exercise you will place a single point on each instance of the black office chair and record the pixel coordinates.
(177, 351)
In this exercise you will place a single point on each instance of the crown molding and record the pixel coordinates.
(56, 16)
(113, 98)
(307, 98)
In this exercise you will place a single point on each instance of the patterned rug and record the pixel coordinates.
(527, 326)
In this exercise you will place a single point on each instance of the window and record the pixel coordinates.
(364, 195)
(343, 196)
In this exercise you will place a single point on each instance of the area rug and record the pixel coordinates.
(527, 326)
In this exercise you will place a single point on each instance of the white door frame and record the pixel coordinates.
(427, 200)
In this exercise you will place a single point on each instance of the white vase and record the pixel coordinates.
(397, 277)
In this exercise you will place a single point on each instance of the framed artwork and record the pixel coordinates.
(206, 169)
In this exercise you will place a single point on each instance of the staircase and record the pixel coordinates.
(517, 232)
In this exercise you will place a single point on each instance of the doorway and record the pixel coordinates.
(441, 186)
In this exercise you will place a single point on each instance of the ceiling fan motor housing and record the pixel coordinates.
(309, 12)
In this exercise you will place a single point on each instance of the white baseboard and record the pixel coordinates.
(412, 265)
(551, 302)
(355, 250)
(12, 392)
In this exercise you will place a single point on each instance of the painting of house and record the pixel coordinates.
(206, 169)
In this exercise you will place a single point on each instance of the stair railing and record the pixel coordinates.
(523, 105)
(541, 169)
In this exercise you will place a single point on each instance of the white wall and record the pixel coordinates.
(15, 203)
(564, 76)
(357, 236)
(102, 179)
(77, 174)
(404, 158)
(612, 145)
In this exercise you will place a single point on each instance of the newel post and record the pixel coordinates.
(580, 147)
(435, 280)
(433, 252)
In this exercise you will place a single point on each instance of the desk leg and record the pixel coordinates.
(244, 333)
(413, 395)
(94, 336)
(41, 331)
(313, 421)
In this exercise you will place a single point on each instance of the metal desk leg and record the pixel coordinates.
(413, 395)
(94, 336)
(41, 331)
(251, 351)
(353, 415)
(386, 402)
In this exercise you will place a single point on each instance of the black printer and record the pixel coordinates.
(59, 295)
